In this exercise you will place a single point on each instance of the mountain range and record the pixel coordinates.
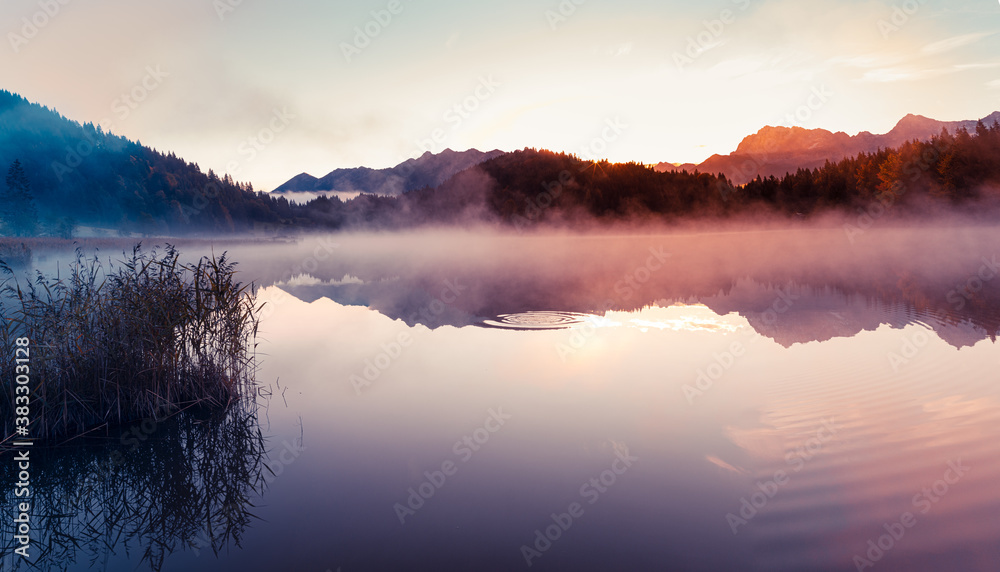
(80, 176)
(771, 151)
(775, 151)
(428, 170)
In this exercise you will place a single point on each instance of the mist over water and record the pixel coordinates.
(765, 399)
(940, 271)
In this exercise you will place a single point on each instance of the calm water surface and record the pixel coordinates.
(741, 401)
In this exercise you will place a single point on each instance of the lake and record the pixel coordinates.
(747, 400)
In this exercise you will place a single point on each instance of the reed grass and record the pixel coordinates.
(14, 254)
(115, 343)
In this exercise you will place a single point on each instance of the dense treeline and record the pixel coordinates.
(949, 169)
(536, 187)
(532, 187)
(79, 174)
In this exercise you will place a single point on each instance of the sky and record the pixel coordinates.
(265, 90)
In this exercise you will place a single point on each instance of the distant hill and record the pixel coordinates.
(81, 175)
(780, 150)
(428, 170)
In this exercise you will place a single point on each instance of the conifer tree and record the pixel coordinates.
(19, 215)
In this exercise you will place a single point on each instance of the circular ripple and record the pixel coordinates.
(538, 320)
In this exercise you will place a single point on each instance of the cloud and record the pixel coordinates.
(909, 73)
(614, 50)
(986, 65)
(865, 61)
(954, 43)
(625, 49)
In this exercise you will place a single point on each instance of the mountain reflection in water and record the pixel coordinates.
(793, 288)
(719, 360)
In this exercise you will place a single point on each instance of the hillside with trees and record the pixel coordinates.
(61, 174)
(957, 172)
(78, 174)
(948, 171)
(780, 150)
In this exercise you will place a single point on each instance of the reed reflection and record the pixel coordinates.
(186, 481)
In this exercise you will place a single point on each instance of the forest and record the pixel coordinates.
(61, 174)
(77, 174)
(528, 188)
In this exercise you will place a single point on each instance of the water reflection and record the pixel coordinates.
(187, 482)
(789, 313)
(793, 286)
(807, 355)
(539, 320)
